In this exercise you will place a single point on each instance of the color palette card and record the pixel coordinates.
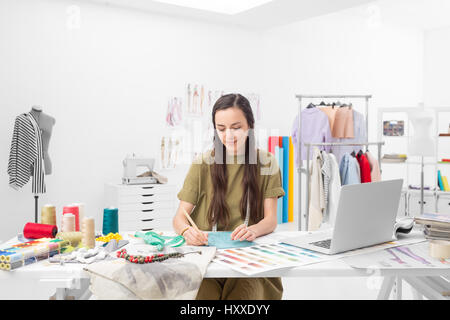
(266, 257)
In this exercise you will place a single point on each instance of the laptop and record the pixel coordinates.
(366, 216)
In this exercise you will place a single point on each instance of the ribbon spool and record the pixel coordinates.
(110, 221)
(75, 210)
(74, 238)
(48, 214)
(68, 223)
(39, 230)
(88, 232)
(440, 249)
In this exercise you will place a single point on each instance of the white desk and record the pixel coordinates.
(41, 280)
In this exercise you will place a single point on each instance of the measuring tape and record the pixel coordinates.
(159, 241)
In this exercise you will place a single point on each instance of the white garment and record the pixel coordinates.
(334, 191)
(316, 192)
(173, 279)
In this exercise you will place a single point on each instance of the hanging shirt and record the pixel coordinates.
(26, 155)
(349, 170)
(359, 128)
(331, 114)
(365, 168)
(343, 123)
(375, 172)
(315, 128)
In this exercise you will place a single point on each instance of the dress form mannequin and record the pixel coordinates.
(46, 124)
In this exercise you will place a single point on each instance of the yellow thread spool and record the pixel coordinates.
(74, 238)
(48, 214)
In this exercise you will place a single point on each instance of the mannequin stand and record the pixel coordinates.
(36, 197)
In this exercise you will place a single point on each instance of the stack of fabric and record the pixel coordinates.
(394, 158)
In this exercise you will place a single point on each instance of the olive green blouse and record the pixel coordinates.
(197, 188)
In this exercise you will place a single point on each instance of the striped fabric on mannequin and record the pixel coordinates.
(26, 155)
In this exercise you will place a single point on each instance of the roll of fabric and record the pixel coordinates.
(75, 210)
(48, 214)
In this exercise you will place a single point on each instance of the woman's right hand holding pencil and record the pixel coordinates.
(195, 237)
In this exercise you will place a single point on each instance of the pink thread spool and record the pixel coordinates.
(75, 210)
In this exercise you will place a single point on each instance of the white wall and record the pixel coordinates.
(107, 84)
(437, 67)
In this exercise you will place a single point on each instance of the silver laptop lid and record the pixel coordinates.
(366, 214)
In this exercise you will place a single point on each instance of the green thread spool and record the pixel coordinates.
(110, 221)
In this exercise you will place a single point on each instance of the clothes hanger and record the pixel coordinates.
(360, 153)
(310, 106)
(353, 154)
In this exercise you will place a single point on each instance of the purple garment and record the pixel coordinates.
(359, 128)
(315, 129)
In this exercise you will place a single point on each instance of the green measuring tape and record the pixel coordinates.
(159, 241)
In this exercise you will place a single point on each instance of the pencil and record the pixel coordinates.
(192, 222)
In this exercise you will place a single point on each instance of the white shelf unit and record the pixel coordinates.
(143, 207)
(435, 200)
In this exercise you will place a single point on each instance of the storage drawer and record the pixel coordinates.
(146, 225)
(146, 205)
(147, 214)
(147, 189)
(443, 204)
(414, 204)
(402, 206)
(148, 197)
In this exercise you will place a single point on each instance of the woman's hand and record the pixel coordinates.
(195, 238)
(243, 233)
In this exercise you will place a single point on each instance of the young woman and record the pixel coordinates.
(233, 187)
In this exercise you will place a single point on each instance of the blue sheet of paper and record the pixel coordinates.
(222, 240)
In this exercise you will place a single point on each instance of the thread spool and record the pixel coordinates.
(39, 230)
(110, 221)
(440, 249)
(88, 227)
(48, 214)
(74, 238)
(68, 223)
(76, 212)
(81, 213)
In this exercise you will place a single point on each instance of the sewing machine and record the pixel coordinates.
(130, 170)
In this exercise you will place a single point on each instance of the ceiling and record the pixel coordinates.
(272, 14)
(422, 14)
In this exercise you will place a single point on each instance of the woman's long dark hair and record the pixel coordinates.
(218, 211)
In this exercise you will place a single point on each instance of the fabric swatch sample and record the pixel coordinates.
(222, 240)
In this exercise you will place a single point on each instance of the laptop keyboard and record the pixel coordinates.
(323, 243)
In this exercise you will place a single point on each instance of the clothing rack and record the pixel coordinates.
(308, 145)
